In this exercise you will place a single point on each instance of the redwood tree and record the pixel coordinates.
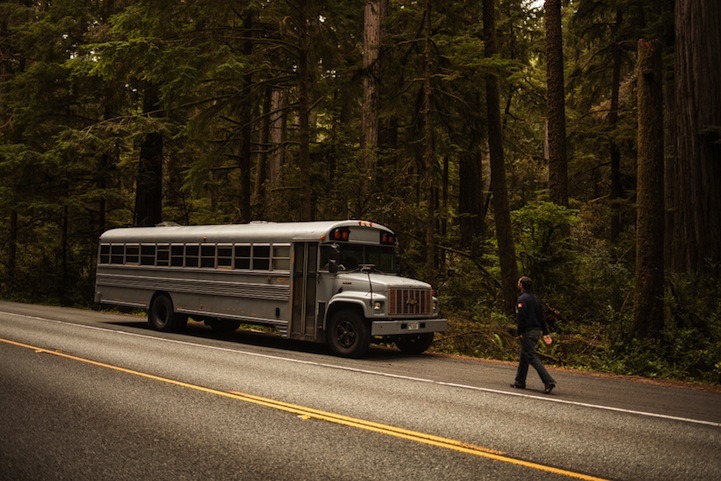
(648, 305)
(501, 209)
(696, 243)
(373, 17)
(557, 162)
(149, 181)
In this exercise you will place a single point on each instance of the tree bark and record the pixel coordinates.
(304, 85)
(557, 162)
(261, 165)
(429, 160)
(149, 191)
(501, 208)
(246, 111)
(471, 213)
(373, 18)
(278, 119)
(670, 176)
(614, 151)
(648, 305)
(697, 224)
(9, 282)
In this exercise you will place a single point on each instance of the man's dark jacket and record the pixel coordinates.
(529, 314)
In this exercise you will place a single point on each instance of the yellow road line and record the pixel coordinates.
(310, 413)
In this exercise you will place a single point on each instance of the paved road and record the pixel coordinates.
(88, 396)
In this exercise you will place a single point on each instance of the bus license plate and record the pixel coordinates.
(414, 326)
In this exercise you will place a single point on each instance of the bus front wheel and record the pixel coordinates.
(162, 316)
(348, 335)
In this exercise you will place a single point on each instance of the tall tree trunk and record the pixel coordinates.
(557, 162)
(372, 21)
(648, 305)
(9, 282)
(429, 159)
(470, 196)
(671, 176)
(149, 190)
(501, 208)
(278, 119)
(304, 85)
(261, 166)
(246, 111)
(698, 77)
(615, 153)
(64, 249)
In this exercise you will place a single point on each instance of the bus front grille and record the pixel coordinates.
(410, 302)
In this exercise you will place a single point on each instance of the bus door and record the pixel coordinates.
(304, 319)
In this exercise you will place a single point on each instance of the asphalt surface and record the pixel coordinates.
(86, 395)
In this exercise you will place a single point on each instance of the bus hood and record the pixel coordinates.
(381, 282)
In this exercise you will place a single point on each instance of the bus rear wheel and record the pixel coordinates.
(348, 335)
(415, 343)
(162, 316)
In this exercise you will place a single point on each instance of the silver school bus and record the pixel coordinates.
(331, 281)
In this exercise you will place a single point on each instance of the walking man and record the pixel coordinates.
(531, 326)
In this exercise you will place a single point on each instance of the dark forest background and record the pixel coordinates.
(575, 141)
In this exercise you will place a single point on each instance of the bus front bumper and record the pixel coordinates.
(410, 326)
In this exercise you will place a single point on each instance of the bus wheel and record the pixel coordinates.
(162, 316)
(348, 335)
(415, 343)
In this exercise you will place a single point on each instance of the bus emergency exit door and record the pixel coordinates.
(304, 323)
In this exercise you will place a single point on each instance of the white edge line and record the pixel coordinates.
(379, 373)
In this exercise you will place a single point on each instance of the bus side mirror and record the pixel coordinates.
(333, 257)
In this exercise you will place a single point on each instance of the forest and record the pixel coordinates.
(574, 141)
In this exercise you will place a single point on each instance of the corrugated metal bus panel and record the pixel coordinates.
(277, 292)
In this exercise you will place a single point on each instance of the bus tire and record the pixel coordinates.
(348, 335)
(162, 315)
(415, 343)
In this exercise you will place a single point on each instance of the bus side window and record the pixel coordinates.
(329, 258)
(147, 255)
(132, 254)
(117, 254)
(261, 258)
(192, 252)
(105, 254)
(242, 257)
(207, 256)
(225, 257)
(281, 258)
(177, 254)
(163, 255)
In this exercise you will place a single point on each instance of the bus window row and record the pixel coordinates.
(261, 257)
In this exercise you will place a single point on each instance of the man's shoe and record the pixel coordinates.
(549, 387)
(517, 386)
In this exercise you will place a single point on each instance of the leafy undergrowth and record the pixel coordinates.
(679, 355)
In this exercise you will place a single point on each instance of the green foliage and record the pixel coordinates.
(543, 245)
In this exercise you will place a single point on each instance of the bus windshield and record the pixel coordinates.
(352, 256)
